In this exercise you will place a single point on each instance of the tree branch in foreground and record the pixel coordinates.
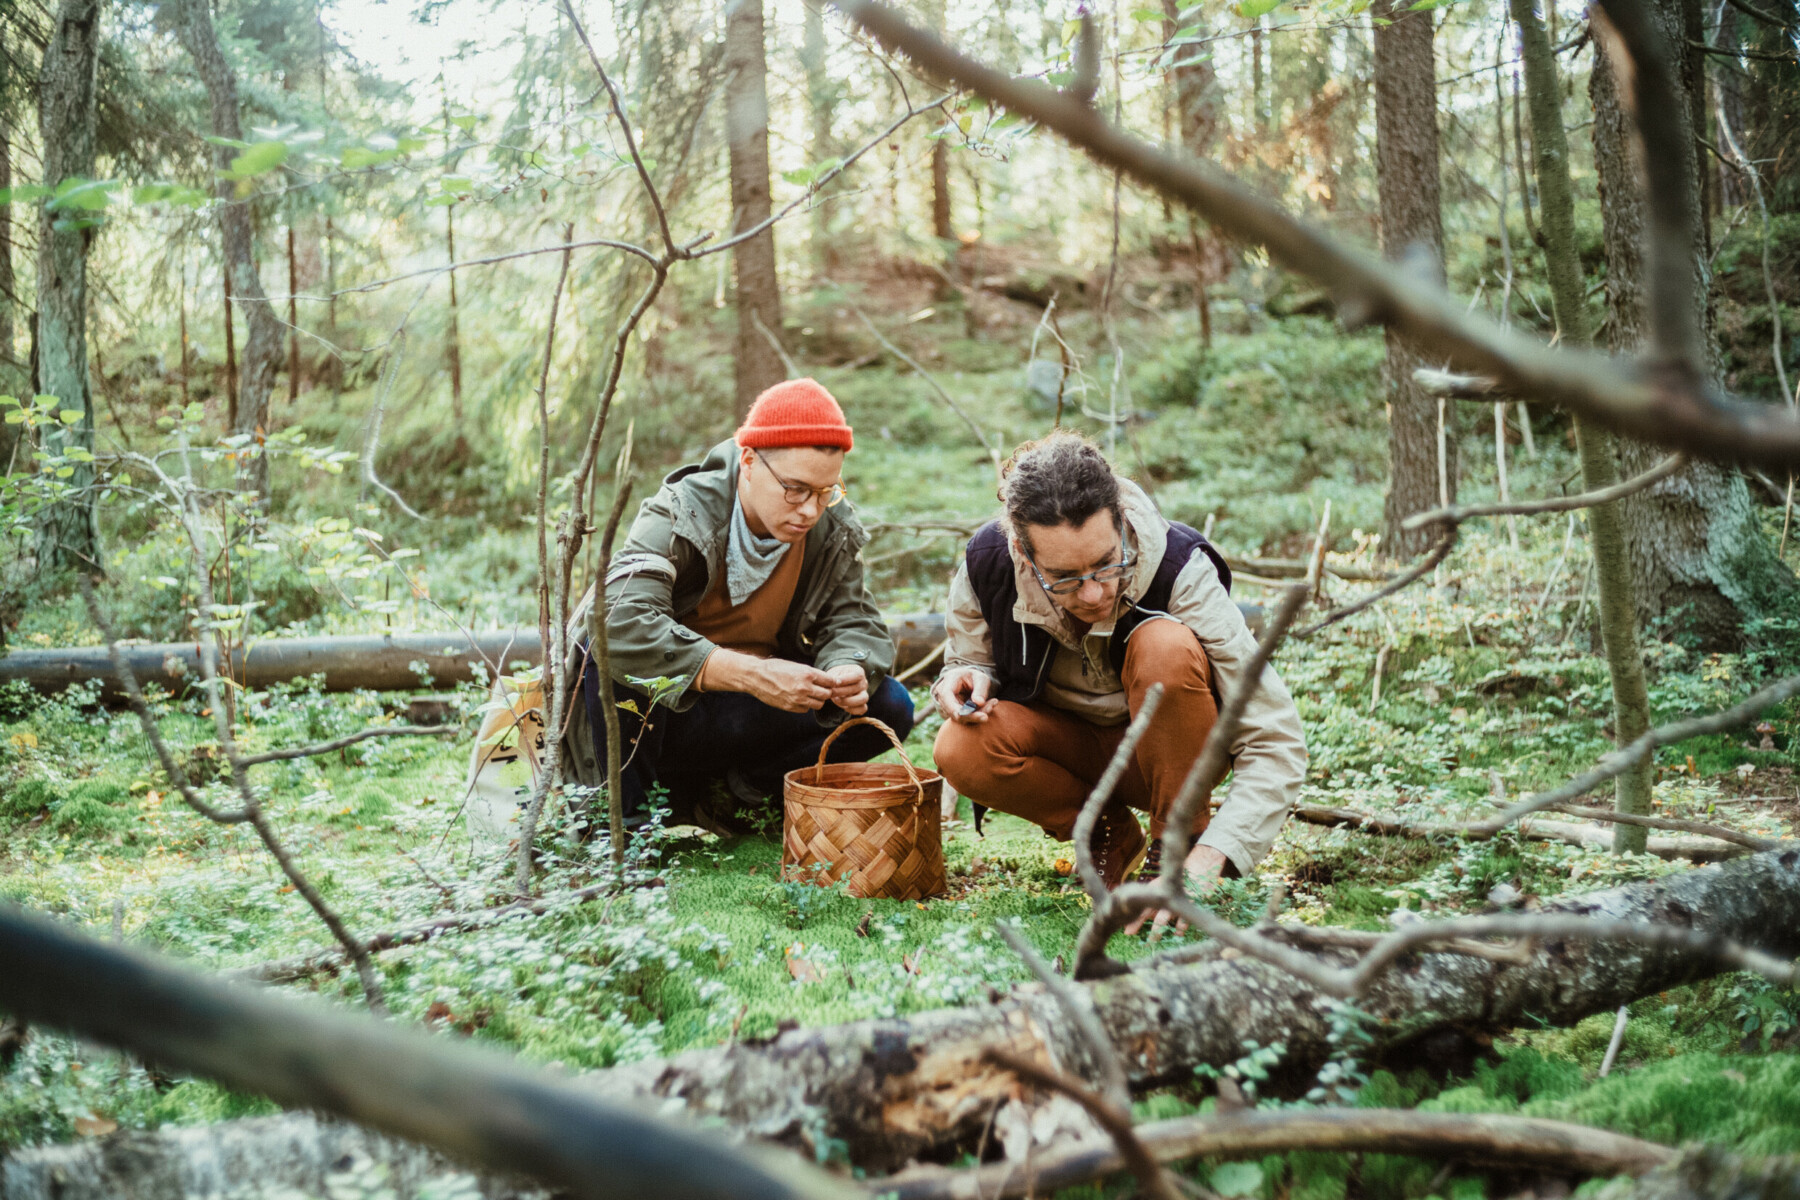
(1655, 402)
(349, 739)
(1401, 582)
(1507, 1141)
(475, 1105)
(1456, 514)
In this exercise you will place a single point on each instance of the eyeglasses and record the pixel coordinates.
(797, 494)
(1071, 584)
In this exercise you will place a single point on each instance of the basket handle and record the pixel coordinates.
(911, 772)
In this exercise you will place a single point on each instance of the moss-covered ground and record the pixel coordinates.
(1490, 685)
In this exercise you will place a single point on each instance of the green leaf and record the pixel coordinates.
(464, 123)
(1190, 60)
(16, 417)
(409, 144)
(1236, 1179)
(25, 193)
(81, 195)
(168, 193)
(259, 159)
(355, 158)
(1146, 14)
(799, 177)
(70, 416)
(228, 143)
(1252, 9)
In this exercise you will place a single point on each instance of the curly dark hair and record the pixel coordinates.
(1060, 479)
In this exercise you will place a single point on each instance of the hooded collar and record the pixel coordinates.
(1146, 532)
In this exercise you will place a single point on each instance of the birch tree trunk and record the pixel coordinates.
(918, 1086)
(192, 20)
(1406, 163)
(1597, 447)
(68, 534)
(758, 362)
(1701, 566)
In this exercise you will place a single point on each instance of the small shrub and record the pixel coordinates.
(27, 799)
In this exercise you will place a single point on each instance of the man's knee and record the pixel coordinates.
(892, 705)
(1165, 651)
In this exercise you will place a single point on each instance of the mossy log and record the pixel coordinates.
(917, 1087)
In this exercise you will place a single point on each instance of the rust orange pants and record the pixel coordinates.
(1040, 762)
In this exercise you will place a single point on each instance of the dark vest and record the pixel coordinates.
(1022, 652)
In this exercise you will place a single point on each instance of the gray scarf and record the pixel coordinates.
(749, 560)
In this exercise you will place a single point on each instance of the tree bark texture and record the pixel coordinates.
(1701, 566)
(68, 534)
(1406, 163)
(1597, 447)
(1201, 117)
(758, 362)
(262, 341)
(821, 102)
(10, 383)
(918, 1086)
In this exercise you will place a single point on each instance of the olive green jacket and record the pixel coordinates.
(676, 550)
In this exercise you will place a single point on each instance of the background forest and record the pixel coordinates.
(329, 317)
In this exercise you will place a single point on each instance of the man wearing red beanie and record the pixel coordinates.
(741, 586)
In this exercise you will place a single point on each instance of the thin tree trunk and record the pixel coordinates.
(1406, 145)
(1701, 566)
(231, 371)
(1597, 447)
(758, 363)
(184, 334)
(453, 344)
(9, 288)
(262, 343)
(293, 335)
(940, 191)
(68, 534)
(920, 1086)
(334, 364)
(821, 100)
(1197, 102)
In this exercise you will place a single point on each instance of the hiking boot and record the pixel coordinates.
(1153, 859)
(1118, 844)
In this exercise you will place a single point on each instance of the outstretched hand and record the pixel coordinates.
(1205, 866)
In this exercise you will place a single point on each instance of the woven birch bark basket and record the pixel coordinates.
(877, 824)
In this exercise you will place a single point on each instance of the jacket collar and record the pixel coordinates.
(704, 493)
(1146, 532)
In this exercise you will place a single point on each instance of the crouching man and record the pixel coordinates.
(1064, 613)
(741, 586)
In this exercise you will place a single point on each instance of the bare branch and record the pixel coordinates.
(1116, 1122)
(1652, 401)
(349, 739)
(464, 264)
(1103, 790)
(993, 449)
(1114, 1084)
(1486, 1138)
(1723, 833)
(1456, 514)
(637, 160)
(1400, 582)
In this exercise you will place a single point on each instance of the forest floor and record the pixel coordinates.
(1489, 687)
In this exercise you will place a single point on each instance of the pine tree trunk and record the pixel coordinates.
(9, 289)
(1406, 160)
(1597, 447)
(758, 362)
(1701, 566)
(68, 534)
(262, 341)
(821, 100)
(1198, 102)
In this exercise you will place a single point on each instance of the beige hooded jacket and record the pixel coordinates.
(1269, 751)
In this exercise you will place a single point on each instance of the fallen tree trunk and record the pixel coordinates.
(1534, 829)
(918, 1086)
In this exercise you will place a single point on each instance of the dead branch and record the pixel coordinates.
(476, 1105)
(1725, 834)
(1115, 1121)
(1103, 790)
(1553, 1146)
(1538, 831)
(1456, 514)
(618, 108)
(1654, 401)
(1400, 582)
(349, 739)
(1114, 1083)
(992, 449)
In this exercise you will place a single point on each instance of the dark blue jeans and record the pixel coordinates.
(687, 751)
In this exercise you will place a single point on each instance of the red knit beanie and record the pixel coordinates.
(799, 412)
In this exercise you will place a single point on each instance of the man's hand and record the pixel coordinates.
(963, 686)
(793, 687)
(849, 686)
(1204, 867)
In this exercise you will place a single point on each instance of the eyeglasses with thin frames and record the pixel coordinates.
(797, 494)
(1070, 584)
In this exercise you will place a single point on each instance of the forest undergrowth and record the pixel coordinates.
(1482, 683)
